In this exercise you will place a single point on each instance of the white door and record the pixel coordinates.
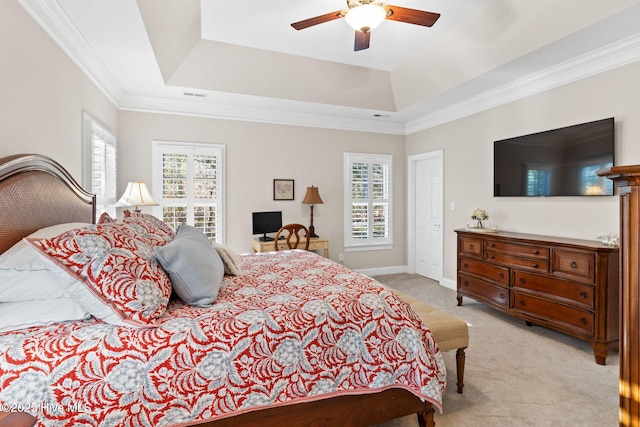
(427, 189)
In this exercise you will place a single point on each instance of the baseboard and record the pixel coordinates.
(448, 283)
(370, 272)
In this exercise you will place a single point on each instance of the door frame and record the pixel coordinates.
(411, 207)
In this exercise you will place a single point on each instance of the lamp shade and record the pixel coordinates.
(136, 194)
(365, 17)
(312, 197)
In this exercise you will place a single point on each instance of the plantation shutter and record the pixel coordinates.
(99, 171)
(190, 186)
(368, 201)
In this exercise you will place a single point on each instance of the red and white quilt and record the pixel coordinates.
(294, 327)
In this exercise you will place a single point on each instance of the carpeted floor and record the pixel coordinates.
(516, 375)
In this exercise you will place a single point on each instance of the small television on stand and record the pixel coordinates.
(266, 222)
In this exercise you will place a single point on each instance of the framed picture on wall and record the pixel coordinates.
(283, 189)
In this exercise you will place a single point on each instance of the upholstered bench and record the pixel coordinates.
(450, 332)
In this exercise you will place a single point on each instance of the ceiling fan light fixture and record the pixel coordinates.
(365, 17)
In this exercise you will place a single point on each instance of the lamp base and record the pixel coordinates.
(312, 232)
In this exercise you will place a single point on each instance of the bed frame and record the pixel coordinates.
(37, 192)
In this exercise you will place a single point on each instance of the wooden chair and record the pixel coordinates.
(293, 237)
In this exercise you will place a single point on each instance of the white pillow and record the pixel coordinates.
(24, 275)
(24, 314)
(17, 285)
(23, 257)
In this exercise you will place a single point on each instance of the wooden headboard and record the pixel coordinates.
(36, 192)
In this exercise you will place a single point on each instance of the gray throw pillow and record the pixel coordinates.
(193, 265)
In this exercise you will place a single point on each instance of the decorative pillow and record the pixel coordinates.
(25, 314)
(148, 227)
(194, 267)
(230, 259)
(112, 274)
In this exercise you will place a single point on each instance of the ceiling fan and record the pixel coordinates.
(365, 15)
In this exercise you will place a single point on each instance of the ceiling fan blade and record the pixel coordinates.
(301, 25)
(412, 16)
(362, 40)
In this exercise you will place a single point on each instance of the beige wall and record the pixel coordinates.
(468, 158)
(258, 153)
(43, 94)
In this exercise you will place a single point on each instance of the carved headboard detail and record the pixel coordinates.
(36, 192)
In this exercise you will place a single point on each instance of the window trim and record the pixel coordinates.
(156, 180)
(371, 244)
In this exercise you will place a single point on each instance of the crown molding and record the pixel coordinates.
(50, 16)
(618, 54)
(258, 115)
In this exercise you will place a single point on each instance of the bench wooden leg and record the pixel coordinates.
(460, 359)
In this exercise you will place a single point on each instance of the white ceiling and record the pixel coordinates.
(242, 60)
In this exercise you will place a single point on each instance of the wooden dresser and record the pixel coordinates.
(568, 285)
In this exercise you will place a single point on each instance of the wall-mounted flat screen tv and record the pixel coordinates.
(558, 162)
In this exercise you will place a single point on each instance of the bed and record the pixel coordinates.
(296, 339)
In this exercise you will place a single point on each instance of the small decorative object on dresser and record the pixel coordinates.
(568, 285)
(478, 216)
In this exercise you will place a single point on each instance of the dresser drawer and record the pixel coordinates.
(551, 310)
(530, 251)
(470, 246)
(575, 292)
(494, 273)
(482, 290)
(511, 261)
(574, 264)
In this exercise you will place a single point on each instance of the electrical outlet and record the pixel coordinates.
(453, 206)
(341, 258)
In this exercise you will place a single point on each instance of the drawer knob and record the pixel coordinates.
(536, 252)
(471, 246)
(466, 265)
(574, 264)
(522, 281)
(583, 294)
(501, 296)
(501, 275)
(493, 245)
(521, 302)
(535, 266)
(466, 283)
(583, 320)
(492, 257)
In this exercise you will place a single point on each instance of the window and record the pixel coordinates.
(368, 209)
(538, 179)
(189, 185)
(99, 165)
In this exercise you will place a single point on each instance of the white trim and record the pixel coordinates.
(411, 205)
(50, 16)
(370, 272)
(449, 283)
(618, 54)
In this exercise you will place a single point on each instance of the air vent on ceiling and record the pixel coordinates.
(196, 94)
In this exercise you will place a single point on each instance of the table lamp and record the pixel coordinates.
(137, 194)
(312, 198)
